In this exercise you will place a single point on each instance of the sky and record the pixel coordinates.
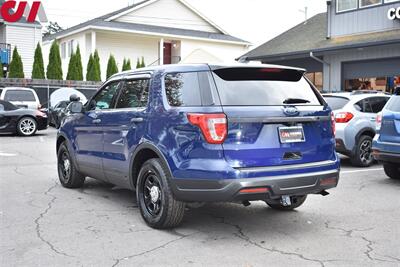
(256, 21)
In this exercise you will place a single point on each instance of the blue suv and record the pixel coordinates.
(179, 134)
(386, 144)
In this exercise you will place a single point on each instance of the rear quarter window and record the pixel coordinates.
(19, 95)
(394, 104)
(263, 87)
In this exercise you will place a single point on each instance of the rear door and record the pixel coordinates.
(124, 126)
(275, 117)
(390, 129)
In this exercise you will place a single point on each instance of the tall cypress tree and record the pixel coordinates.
(1, 71)
(111, 66)
(128, 65)
(78, 65)
(38, 65)
(142, 65)
(71, 74)
(97, 69)
(54, 69)
(138, 64)
(89, 69)
(16, 67)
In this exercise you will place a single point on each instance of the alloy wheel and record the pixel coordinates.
(366, 151)
(27, 126)
(152, 194)
(64, 166)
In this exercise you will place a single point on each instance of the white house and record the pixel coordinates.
(161, 31)
(25, 36)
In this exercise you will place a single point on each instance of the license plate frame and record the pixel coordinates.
(291, 134)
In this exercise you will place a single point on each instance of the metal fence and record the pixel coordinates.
(44, 88)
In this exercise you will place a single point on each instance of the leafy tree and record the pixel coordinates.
(71, 74)
(1, 71)
(52, 28)
(38, 65)
(126, 65)
(142, 65)
(111, 66)
(97, 69)
(138, 64)
(78, 65)
(89, 69)
(54, 69)
(16, 67)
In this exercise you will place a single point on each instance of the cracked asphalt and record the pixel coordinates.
(43, 224)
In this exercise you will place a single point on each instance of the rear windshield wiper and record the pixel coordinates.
(295, 101)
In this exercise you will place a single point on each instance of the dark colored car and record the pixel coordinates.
(201, 133)
(25, 122)
(57, 113)
(386, 144)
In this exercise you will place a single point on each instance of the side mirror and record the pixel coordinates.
(75, 107)
(74, 98)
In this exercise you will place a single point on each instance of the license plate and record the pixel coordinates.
(293, 134)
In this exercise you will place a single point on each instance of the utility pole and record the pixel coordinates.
(305, 11)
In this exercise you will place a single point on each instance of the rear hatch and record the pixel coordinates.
(275, 117)
(390, 129)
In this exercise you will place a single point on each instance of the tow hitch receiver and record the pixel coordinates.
(285, 201)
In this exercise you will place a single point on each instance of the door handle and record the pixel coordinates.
(136, 120)
(97, 121)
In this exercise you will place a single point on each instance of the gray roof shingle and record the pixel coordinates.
(311, 36)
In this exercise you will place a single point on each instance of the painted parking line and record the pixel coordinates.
(363, 170)
(2, 154)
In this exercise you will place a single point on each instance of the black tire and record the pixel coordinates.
(392, 170)
(67, 172)
(27, 126)
(297, 201)
(157, 204)
(363, 154)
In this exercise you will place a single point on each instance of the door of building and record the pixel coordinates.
(167, 53)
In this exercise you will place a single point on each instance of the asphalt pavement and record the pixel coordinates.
(44, 224)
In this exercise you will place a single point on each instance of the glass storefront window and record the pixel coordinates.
(384, 84)
(367, 3)
(345, 5)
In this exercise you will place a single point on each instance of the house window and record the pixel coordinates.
(70, 47)
(346, 5)
(391, 1)
(63, 50)
(367, 3)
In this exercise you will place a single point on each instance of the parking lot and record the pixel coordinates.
(44, 224)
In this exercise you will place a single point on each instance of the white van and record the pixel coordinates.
(20, 97)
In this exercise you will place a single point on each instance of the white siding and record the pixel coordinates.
(168, 13)
(2, 34)
(26, 39)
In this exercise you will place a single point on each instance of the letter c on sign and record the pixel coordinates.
(392, 14)
(9, 6)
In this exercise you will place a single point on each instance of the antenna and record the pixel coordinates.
(305, 11)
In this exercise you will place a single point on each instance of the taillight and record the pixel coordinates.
(378, 121)
(213, 126)
(39, 106)
(333, 124)
(343, 117)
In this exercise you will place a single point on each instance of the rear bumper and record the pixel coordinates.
(386, 152)
(42, 123)
(229, 190)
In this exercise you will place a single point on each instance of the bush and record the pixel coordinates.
(54, 69)
(78, 65)
(16, 67)
(97, 69)
(111, 67)
(38, 65)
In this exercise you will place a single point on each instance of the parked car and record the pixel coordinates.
(386, 145)
(355, 115)
(202, 133)
(57, 113)
(20, 97)
(25, 122)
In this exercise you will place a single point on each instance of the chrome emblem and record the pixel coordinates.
(291, 111)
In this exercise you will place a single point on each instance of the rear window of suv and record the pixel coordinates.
(19, 95)
(394, 104)
(336, 102)
(263, 87)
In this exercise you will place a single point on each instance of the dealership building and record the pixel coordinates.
(354, 45)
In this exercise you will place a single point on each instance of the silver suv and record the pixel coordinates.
(355, 115)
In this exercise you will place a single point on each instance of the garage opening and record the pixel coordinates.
(381, 75)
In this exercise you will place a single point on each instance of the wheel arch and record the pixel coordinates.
(144, 152)
(365, 131)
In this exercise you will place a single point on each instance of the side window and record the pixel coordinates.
(364, 105)
(378, 103)
(183, 89)
(1, 107)
(135, 94)
(106, 95)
